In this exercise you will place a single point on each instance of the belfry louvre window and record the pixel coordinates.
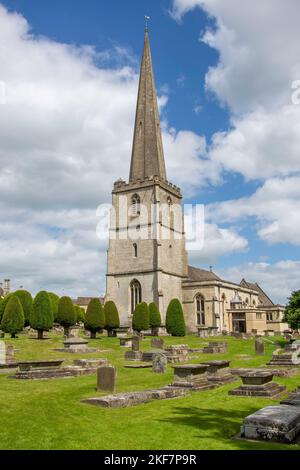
(200, 310)
(135, 294)
(135, 205)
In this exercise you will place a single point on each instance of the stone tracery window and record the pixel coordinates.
(135, 294)
(135, 205)
(200, 309)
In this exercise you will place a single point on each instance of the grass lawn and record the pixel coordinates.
(47, 414)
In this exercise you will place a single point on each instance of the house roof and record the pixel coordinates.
(197, 274)
(262, 296)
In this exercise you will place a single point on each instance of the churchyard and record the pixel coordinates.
(51, 414)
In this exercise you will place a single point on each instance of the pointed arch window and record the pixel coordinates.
(135, 294)
(135, 205)
(200, 309)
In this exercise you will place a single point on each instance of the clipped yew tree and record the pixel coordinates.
(155, 318)
(54, 299)
(26, 301)
(140, 319)
(66, 315)
(3, 304)
(41, 317)
(175, 323)
(13, 317)
(112, 319)
(94, 318)
(80, 314)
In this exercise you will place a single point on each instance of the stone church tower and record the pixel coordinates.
(147, 260)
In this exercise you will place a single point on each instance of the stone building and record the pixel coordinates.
(147, 258)
(4, 287)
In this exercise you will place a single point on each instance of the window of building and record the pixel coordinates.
(136, 294)
(200, 310)
(135, 250)
(258, 316)
(269, 316)
(135, 205)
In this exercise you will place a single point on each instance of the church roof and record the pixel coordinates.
(197, 274)
(262, 296)
(147, 158)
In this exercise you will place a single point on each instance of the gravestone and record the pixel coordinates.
(157, 343)
(2, 353)
(258, 384)
(106, 379)
(159, 363)
(135, 343)
(259, 346)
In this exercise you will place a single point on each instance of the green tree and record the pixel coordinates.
(140, 319)
(292, 311)
(66, 315)
(112, 320)
(54, 299)
(155, 318)
(13, 318)
(26, 301)
(94, 317)
(41, 316)
(80, 314)
(175, 323)
(3, 304)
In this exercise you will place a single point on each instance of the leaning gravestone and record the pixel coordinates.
(106, 379)
(259, 347)
(157, 343)
(159, 363)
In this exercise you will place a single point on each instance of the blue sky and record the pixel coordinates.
(232, 103)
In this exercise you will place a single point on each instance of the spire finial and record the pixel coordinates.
(147, 19)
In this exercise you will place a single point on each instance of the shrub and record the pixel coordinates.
(41, 317)
(94, 318)
(13, 318)
(112, 320)
(292, 311)
(140, 319)
(3, 304)
(26, 301)
(80, 314)
(175, 323)
(66, 315)
(155, 318)
(54, 299)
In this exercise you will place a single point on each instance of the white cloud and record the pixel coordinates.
(277, 279)
(66, 135)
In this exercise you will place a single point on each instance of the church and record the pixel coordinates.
(151, 267)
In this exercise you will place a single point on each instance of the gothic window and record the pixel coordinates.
(169, 201)
(135, 294)
(135, 205)
(135, 250)
(258, 316)
(269, 316)
(200, 310)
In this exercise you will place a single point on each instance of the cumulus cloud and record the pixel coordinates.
(66, 133)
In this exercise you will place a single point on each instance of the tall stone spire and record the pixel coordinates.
(147, 153)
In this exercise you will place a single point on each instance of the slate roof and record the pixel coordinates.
(197, 274)
(262, 296)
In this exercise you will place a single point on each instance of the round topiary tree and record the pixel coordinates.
(13, 318)
(112, 320)
(66, 315)
(26, 301)
(175, 323)
(140, 319)
(54, 299)
(94, 317)
(41, 317)
(80, 314)
(155, 318)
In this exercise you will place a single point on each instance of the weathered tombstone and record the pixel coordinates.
(106, 379)
(157, 343)
(135, 343)
(2, 353)
(159, 363)
(259, 346)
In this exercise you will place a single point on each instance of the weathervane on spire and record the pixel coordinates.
(147, 18)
